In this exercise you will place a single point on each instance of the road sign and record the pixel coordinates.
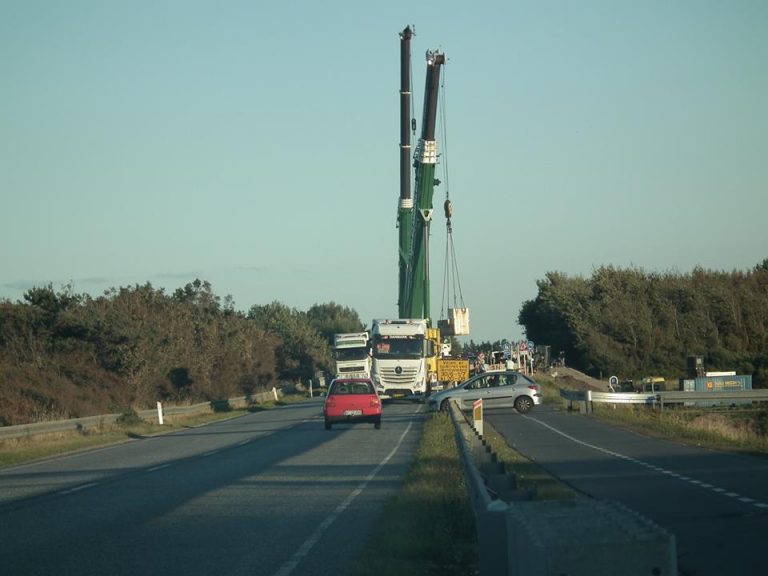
(449, 370)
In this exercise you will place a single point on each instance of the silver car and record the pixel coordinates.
(502, 389)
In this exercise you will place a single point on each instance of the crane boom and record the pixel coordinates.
(414, 301)
(405, 350)
(405, 207)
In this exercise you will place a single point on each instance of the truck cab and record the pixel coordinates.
(352, 355)
(400, 351)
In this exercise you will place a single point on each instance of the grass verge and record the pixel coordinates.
(736, 430)
(549, 390)
(428, 527)
(17, 451)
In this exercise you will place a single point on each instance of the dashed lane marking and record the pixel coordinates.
(658, 469)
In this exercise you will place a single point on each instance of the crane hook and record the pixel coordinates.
(448, 207)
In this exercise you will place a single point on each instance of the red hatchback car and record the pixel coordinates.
(352, 400)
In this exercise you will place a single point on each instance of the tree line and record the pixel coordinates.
(64, 355)
(634, 323)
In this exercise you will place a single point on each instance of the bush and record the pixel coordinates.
(128, 417)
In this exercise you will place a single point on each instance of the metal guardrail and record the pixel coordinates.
(490, 514)
(103, 420)
(713, 398)
(550, 538)
(583, 399)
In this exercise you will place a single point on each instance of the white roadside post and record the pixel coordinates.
(160, 413)
(274, 393)
(477, 415)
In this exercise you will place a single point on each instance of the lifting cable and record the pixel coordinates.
(452, 294)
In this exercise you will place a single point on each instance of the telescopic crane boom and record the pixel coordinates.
(415, 215)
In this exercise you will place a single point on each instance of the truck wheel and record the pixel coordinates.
(377, 424)
(523, 404)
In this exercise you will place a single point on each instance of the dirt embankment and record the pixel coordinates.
(575, 380)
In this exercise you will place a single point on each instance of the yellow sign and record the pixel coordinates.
(452, 370)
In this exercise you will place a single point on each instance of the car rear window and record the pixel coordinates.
(352, 388)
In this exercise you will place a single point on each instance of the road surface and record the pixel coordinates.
(715, 503)
(270, 493)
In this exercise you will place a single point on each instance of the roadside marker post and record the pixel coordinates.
(477, 415)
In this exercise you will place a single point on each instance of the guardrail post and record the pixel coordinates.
(493, 539)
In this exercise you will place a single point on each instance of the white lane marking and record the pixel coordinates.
(310, 542)
(160, 467)
(650, 466)
(211, 453)
(78, 488)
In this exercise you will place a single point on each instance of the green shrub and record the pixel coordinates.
(128, 417)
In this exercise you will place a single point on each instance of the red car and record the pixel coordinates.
(352, 400)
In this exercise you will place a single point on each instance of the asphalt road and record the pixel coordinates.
(715, 503)
(271, 493)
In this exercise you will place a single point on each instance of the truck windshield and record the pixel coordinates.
(351, 353)
(398, 348)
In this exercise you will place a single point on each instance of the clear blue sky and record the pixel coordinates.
(255, 145)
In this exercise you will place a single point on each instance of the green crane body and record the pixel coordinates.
(415, 215)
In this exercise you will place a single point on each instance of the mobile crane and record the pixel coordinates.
(405, 350)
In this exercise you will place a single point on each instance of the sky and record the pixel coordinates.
(254, 145)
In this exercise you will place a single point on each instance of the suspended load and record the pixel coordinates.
(457, 323)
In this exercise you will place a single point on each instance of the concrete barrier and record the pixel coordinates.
(583, 537)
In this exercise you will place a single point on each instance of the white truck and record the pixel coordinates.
(400, 351)
(352, 353)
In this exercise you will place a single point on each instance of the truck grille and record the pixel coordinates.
(406, 377)
(350, 369)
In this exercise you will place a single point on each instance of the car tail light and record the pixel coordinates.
(374, 403)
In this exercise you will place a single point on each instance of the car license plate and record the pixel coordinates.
(353, 412)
